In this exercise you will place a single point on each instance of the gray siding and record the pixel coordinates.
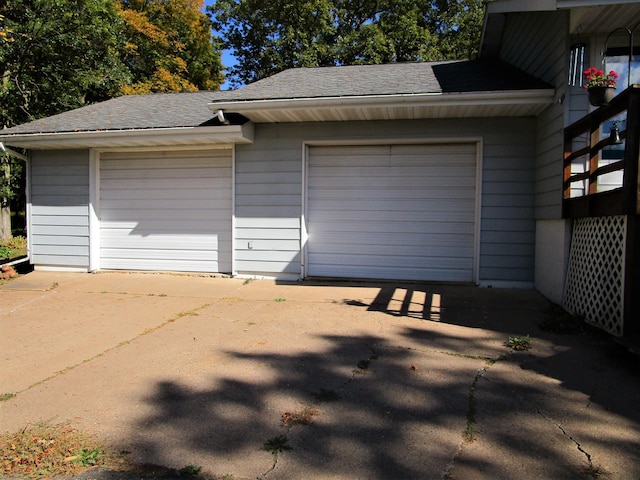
(59, 227)
(269, 190)
(538, 43)
(269, 201)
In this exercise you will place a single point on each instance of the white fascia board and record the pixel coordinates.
(511, 97)
(201, 136)
(512, 6)
(567, 4)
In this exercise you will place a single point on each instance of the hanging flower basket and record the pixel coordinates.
(601, 86)
(601, 96)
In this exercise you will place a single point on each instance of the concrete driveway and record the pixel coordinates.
(395, 381)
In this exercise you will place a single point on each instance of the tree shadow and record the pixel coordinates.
(382, 409)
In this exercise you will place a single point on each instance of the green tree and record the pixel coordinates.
(267, 37)
(55, 55)
(169, 46)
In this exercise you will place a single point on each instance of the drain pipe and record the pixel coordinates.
(25, 159)
(13, 153)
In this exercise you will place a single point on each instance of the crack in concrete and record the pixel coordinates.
(468, 435)
(569, 436)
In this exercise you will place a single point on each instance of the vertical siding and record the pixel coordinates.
(60, 208)
(538, 43)
(269, 190)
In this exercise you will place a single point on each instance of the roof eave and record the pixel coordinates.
(387, 107)
(152, 137)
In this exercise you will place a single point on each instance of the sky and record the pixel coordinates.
(227, 58)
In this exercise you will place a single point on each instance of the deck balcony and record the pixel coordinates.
(601, 196)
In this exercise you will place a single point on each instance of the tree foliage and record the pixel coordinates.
(169, 46)
(267, 37)
(56, 55)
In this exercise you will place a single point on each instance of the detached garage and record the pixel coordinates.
(398, 211)
(415, 171)
(168, 211)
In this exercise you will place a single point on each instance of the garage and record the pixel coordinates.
(403, 211)
(166, 211)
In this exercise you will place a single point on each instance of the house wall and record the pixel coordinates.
(269, 195)
(538, 43)
(269, 190)
(59, 205)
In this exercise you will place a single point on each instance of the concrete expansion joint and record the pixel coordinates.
(468, 436)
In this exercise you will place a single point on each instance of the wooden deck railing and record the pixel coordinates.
(590, 202)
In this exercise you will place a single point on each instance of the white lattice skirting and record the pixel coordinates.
(595, 280)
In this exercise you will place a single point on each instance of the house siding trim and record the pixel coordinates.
(94, 209)
(423, 141)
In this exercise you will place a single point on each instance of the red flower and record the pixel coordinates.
(597, 78)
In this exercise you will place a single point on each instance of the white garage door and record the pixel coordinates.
(392, 211)
(166, 211)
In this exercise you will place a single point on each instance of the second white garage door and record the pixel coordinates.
(405, 212)
(166, 211)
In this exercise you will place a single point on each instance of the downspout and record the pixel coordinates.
(25, 159)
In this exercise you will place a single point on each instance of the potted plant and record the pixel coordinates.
(601, 86)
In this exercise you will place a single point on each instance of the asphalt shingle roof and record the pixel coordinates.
(191, 109)
(386, 79)
(159, 110)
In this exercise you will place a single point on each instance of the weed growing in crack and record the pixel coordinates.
(593, 470)
(363, 364)
(190, 471)
(519, 344)
(277, 445)
(280, 299)
(6, 396)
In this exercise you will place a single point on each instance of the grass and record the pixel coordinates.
(46, 450)
(6, 396)
(13, 248)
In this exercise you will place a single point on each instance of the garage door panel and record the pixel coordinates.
(402, 205)
(394, 261)
(389, 227)
(460, 215)
(440, 251)
(353, 240)
(392, 211)
(165, 173)
(183, 216)
(386, 273)
(168, 211)
(153, 264)
(170, 242)
(168, 184)
(199, 190)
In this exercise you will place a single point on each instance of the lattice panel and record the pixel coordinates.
(595, 280)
